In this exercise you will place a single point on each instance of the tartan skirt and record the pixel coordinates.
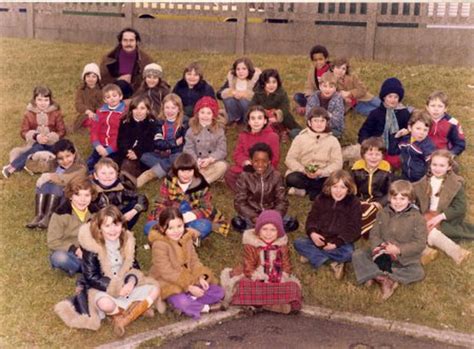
(250, 292)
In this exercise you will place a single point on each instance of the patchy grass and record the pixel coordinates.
(29, 288)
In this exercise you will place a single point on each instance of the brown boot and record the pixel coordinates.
(51, 204)
(40, 200)
(145, 177)
(428, 255)
(132, 313)
(278, 308)
(338, 269)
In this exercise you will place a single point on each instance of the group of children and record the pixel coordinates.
(179, 135)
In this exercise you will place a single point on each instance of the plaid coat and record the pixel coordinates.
(197, 195)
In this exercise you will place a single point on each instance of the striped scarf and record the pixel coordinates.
(391, 125)
(272, 262)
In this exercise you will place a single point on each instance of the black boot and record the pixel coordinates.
(50, 206)
(239, 224)
(40, 200)
(291, 224)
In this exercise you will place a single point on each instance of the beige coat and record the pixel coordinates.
(232, 80)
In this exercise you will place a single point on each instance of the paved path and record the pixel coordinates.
(273, 331)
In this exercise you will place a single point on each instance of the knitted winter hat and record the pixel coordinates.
(273, 217)
(392, 85)
(91, 68)
(208, 102)
(154, 69)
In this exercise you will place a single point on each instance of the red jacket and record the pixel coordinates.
(247, 139)
(105, 127)
(447, 133)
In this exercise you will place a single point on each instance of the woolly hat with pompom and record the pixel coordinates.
(207, 102)
(91, 68)
(270, 217)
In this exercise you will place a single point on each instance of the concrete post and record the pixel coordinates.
(30, 20)
(241, 28)
(128, 11)
(371, 31)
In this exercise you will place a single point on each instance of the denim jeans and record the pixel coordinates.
(159, 165)
(95, 157)
(66, 261)
(236, 109)
(300, 99)
(317, 256)
(20, 161)
(366, 107)
(50, 188)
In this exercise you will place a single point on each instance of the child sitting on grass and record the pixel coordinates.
(105, 127)
(319, 65)
(264, 279)
(353, 90)
(66, 254)
(331, 100)
(205, 140)
(237, 91)
(270, 94)
(390, 117)
(414, 146)
(186, 189)
(314, 154)
(185, 282)
(333, 225)
(261, 188)
(153, 87)
(41, 128)
(111, 283)
(257, 131)
(372, 177)
(111, 191)
(442, 201)
(89, 97)
(445, 131)
(397, 241)
(49, 186)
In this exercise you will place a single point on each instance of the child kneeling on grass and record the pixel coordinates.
(264, 279)
(333, 225)
(186, 284)
(261, 188)
(111, 283)
(66, 254)
(397, 241)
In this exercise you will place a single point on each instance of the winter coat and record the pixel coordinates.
(175, 264)
(335, 109)
(256, 193)
(446, 133)
(339, 222)
(155, 95)
(312, 84)
(190, 96)
(197, 195)
(119, 196)
(81, 310)
(230, 86)
(276, 100)
(167, 146)
(311, 148)
(414, 156)
(88, 99)
(105, 127)
(374, 125)
(109, 67)
(352, 84)
(372, 185)
(248, 139)
(64, 227)
(452, 202)
(406, 229)
(136, 136)
(206, 143)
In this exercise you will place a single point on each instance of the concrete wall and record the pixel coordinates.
(372, 31)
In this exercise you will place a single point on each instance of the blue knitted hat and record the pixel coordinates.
(392, 85)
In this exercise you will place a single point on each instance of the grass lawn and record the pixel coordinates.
(29, 288)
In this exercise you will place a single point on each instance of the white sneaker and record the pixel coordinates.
(296, 192)
(5, 171)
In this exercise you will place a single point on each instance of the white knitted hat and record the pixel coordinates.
(91, 68)
(153, 68)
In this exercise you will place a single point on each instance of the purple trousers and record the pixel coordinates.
(186, 303)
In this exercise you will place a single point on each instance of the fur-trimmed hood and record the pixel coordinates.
(34, 109)
(250, 238)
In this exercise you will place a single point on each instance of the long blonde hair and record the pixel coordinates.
(176, 100)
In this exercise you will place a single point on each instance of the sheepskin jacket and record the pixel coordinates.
(230, 85)
(175, 264)
(81, 311)
(88, 99)
(49, 123)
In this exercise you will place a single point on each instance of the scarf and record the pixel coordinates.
(391, 125)
(272, 262)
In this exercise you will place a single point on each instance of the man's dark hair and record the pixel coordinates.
(264, 147)
(131, 30)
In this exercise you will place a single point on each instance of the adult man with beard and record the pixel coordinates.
(124, 64)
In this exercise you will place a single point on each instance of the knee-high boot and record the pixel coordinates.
(437, 239)
(132, 313)
(50, 206)
(40, 200)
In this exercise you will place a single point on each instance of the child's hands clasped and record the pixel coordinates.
(204, 284)
(127, 288)
(44, 178)
(392, 249)
(318, 239)
(42, 139)
(433, 222)
(196, 291)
